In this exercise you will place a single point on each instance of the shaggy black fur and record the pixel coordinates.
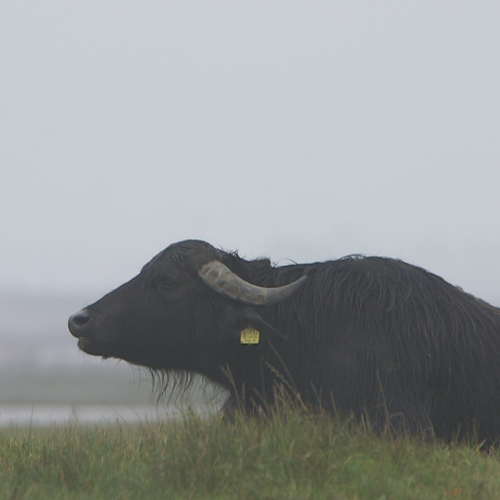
(368, 336)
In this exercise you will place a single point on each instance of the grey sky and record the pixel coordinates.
(301, 130)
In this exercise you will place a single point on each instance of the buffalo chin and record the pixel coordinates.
(93, 347)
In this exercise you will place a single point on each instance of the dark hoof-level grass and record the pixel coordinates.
(289, 455)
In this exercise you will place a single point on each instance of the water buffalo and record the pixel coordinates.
(368, 336)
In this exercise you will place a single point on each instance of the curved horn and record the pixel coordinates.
(221, 279)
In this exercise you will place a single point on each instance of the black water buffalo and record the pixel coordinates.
(368, 336)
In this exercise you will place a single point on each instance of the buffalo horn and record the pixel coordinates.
(221, 279)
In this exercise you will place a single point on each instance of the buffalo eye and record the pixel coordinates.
(167, 284)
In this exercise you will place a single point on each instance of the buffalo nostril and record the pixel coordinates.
(78, 321)
(80, 318)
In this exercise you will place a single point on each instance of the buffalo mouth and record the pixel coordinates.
(87, 326)
(94, 347)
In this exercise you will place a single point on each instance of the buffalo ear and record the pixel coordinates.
(244, 325)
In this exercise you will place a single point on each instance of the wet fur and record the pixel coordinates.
(366, 336)
(377, 335)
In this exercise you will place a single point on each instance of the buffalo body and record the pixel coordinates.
(368, 336)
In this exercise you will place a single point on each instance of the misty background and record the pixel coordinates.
(300, 131)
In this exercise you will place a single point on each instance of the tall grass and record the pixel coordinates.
(290, 454)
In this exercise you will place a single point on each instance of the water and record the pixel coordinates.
(42, 415)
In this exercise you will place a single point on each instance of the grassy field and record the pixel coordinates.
(290, 455)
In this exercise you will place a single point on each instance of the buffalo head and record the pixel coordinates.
(185, 311)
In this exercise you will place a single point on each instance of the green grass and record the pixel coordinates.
(290, 455)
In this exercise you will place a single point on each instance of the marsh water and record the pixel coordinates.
(45, 380)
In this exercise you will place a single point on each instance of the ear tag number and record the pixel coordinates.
(250, 336)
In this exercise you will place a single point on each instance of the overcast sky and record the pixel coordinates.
(297, 130)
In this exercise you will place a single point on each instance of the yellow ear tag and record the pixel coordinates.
(250, 336)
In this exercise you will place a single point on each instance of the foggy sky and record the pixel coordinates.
(295, 130)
